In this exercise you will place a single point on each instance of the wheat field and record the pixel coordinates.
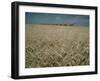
(54, 46)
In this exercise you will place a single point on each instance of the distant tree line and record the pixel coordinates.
(59, 24)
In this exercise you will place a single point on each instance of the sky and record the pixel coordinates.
(49, 18)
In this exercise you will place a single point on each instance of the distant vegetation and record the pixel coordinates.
(60, 24)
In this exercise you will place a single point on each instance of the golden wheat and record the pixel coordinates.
(51, 46)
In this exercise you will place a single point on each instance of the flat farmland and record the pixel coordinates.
(55, 46)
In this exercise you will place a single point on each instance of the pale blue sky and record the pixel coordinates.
(48, 18)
